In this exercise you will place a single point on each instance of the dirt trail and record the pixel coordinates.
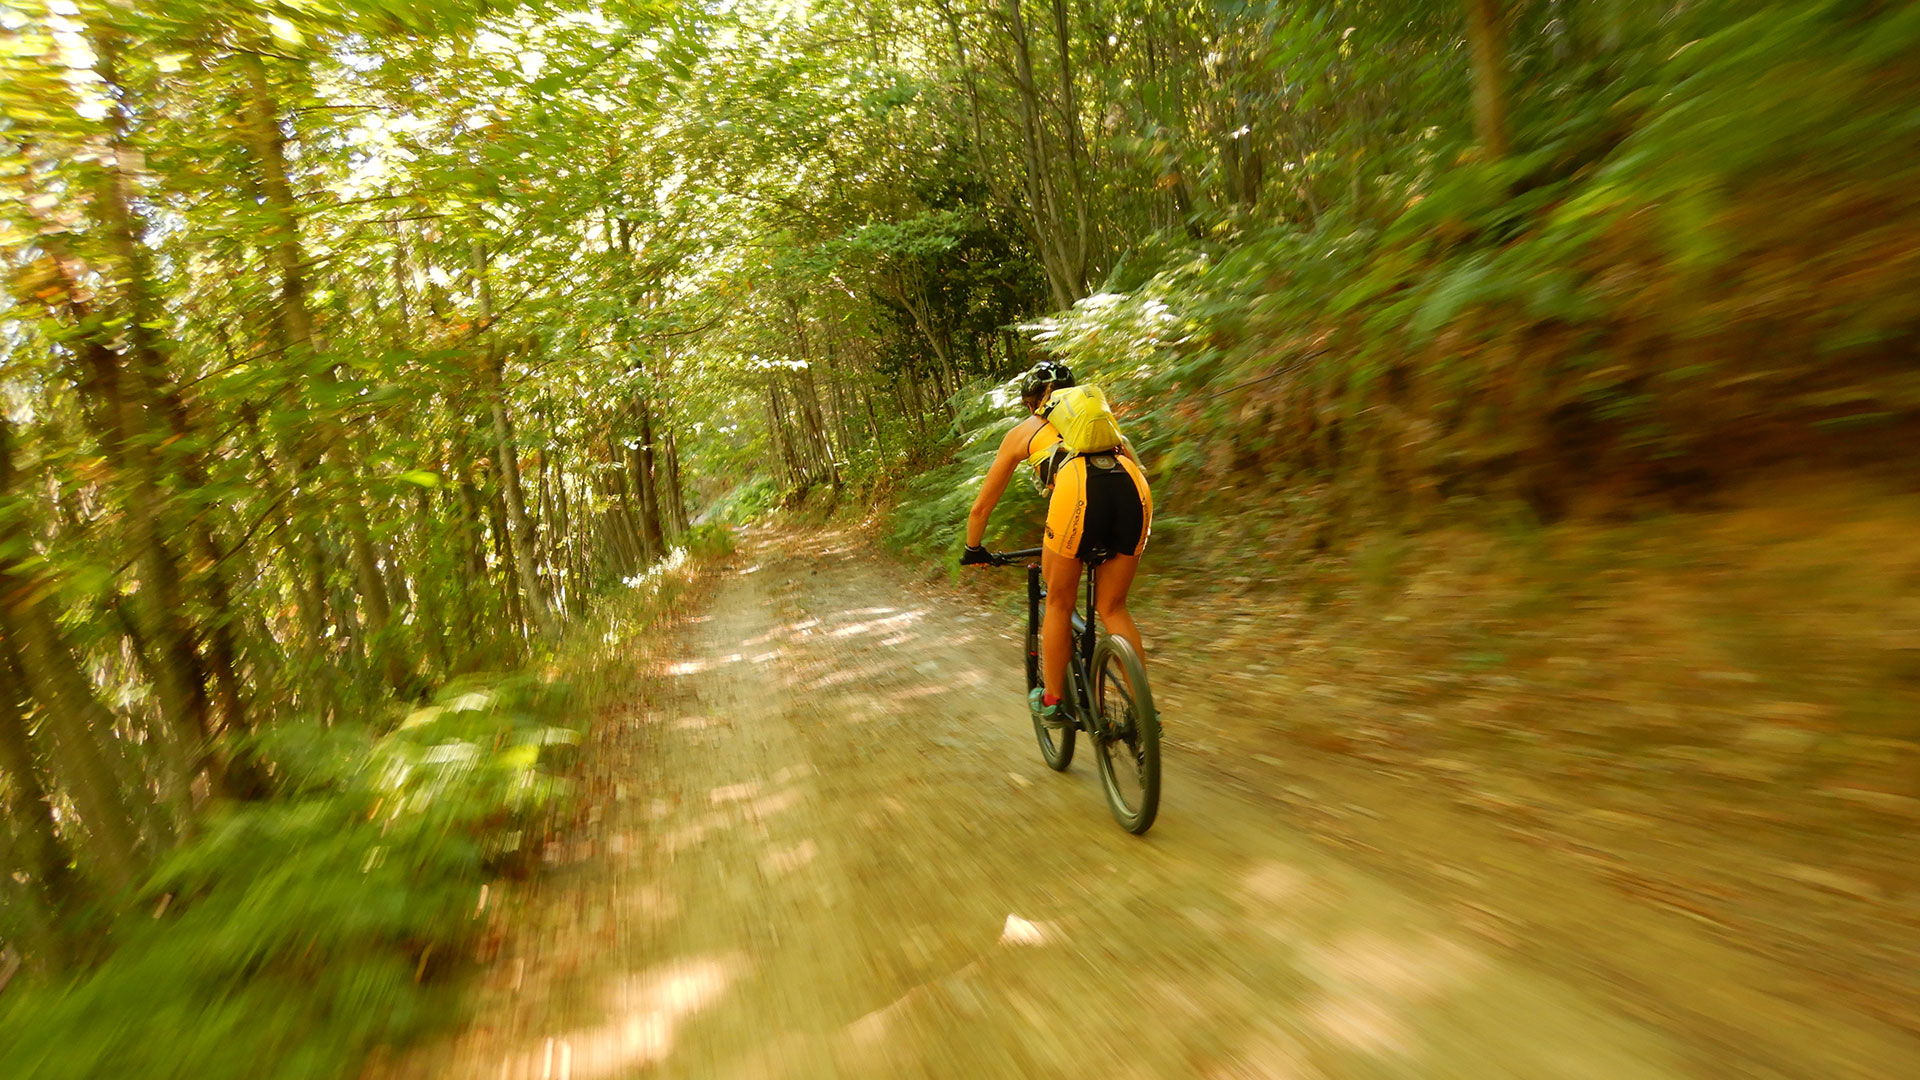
(831, 850)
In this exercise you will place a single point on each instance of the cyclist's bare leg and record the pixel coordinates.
(1111, 580)
(1062, 576)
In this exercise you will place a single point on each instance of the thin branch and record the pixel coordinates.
(1288, 370)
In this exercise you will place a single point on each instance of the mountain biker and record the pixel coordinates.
(1096, 501)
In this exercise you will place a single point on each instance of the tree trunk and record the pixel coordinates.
(172, 658)
(626, 508)
(676, 496)
(1082, 243)
(837, 392)
(919, 409)
(521, 532)
(346, 617)
(873, 420)
(374, 595)
(77, 721)
(548, 537)
(1065, 268)
(269, 152)
(73, 715)
(623, 543)
(1489, 64)
(309, 591)
(43, 855)
(570, 521)
(296, 326)
(428, 601)
(472, 551)
(1033, 216)
(223, 644)
(817, 426)
(922, 316)
(503, 545)
(783, 429)
(640, 462)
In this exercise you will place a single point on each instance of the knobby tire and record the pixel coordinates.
(1056, 743)
(1124, 701)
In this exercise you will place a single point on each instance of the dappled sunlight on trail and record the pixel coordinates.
(647, 1009)
(847, 860)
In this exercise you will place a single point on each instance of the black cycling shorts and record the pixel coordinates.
(1100, 501)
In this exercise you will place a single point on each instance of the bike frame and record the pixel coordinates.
(1137, 732)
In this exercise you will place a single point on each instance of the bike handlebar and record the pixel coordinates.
(1008, 558)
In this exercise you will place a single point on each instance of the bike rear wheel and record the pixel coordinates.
(1056, 740)
(1126, 735)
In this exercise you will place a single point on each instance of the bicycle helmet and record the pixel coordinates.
(1042, 379)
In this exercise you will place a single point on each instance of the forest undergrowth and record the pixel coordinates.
(291, 936)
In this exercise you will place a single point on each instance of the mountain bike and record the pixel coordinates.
(1114, 705)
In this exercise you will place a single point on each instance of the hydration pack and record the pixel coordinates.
(1084, 419)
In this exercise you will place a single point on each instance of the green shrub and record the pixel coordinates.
(708, 542)
(1707, 242)
(299, 932)
(930, 518)
(744, 502)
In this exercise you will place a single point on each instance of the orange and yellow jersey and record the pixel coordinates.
(1041, 443)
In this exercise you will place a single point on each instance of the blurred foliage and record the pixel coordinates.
(931, 514)
(292, 935)
(1701, 252)
(709, 542)
(350, 349)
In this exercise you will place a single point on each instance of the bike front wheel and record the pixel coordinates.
(1126, 735)
(1056, 740)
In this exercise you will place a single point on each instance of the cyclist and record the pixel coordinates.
(1096, 501)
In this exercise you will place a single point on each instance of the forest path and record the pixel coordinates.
(831, 850)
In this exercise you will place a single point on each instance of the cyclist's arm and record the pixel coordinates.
(1013, 450)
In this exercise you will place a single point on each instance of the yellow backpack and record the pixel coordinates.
(1084, 419)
